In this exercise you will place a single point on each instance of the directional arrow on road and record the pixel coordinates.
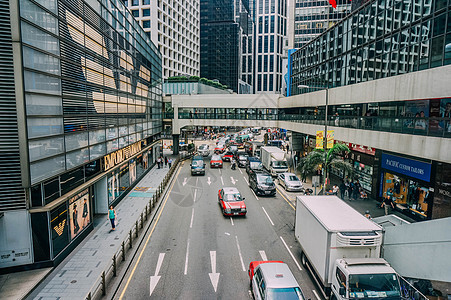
(214, 277)
(154, 279)
(233, 180)
(209, 181)
(184, 181)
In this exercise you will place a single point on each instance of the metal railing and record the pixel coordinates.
(100, 285)
(409, 292)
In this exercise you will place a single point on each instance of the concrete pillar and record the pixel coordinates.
(175, 144)
(101, 196)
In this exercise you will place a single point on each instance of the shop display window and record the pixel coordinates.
(79, 213)
(113, 187)
(124, 178)
(59, 227)
(408, 194)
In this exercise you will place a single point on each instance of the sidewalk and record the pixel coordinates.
(74, 277)
(361, 205)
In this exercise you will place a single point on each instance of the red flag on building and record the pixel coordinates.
(333, 3)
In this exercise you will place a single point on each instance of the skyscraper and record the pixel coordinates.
(270, 30)
(226, 43)
(174, 27)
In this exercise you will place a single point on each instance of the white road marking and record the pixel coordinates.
(233, 180)
(226, 233)
(154, 279)
(291, 254)
(222, 181)
(231, 221)
(197, 180)
(192, 219)
(268, 216)
(316, 295)
(195, 194)
(214, 277)
(255, 195)
(209, 181)
(186, 258)
(239, 253)
(246, 180)
(220, 171)
(240, 170)
(184, 181)
(263, 255)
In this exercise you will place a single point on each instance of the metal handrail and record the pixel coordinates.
(100, 285)
(409, 292)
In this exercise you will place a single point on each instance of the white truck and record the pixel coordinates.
(273, 159)
(341, 248)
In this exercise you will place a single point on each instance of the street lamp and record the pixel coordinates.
(302, 86)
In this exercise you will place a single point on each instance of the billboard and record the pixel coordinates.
(79, 213)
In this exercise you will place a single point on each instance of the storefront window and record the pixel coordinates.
(79, 213)
(124, 179)
(58, 223)
(113, 187)
(132, 170)
(364, 173)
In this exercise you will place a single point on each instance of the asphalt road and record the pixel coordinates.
(194, 252)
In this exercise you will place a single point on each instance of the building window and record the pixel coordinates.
(146, 24)
(135, 13)
(271, 44)
(135, 2)
(146, 12)
(266, 44)
(260, 41)
(265, 63)
(259, 63)
(146, 2)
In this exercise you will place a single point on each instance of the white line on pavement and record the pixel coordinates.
(255, 195)
(263, 255)
(239, 252)
(220, 171)
(316, 295)
(231, 221)
(186, 259)
(292, 256)
(195, 194)
(222, 180)
(240, 170)
(154, 279)
(246, 180)
(268, 216)
(192, 218)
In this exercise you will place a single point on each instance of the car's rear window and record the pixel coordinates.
(216, 157)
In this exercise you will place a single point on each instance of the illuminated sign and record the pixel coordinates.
(59, 229)
(119, 156)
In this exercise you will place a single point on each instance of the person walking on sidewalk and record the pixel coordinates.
(170, 162)
(342, 190)
(165, 161)
(112, 217)
(387, 204)
(158, 162)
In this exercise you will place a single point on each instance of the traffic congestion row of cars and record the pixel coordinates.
(268, 279)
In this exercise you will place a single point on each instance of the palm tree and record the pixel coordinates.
(326, 159)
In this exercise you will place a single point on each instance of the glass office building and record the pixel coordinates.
(84, 124)
(381, 39)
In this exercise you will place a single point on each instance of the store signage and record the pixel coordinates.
(405, 166)
(320, 139)
(119, 156)
(361, 148)
(330, 138)
(59, 229)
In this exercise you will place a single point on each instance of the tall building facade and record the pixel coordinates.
(270, 31)
(80, 107)
(313, 17)
(226, 43)
(173, 27)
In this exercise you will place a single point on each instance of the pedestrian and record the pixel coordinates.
(335, 190)
(342, 189)
(387, 204)
(367, 215)
(356, 191)
(350, 187)
(288, 148)
(112, 217)
(158, 162)
(165, 161)
(170, 162)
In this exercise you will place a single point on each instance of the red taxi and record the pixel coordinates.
(227, 156)
(216, 161)
(231, 203)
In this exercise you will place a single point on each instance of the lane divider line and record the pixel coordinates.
(239, 253)
(316, 295)
(286, 200)
(192, 218)
(263, 255)
(255, 195)
(268, 216)
(222, 181)
(148, 238)
(186, 258)
(231, 221)
(246, 180)
(291, 254)
(240, 170)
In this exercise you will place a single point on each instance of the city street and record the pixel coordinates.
(196, 252)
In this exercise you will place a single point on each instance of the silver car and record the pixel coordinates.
(290, 182)
(204, 150)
